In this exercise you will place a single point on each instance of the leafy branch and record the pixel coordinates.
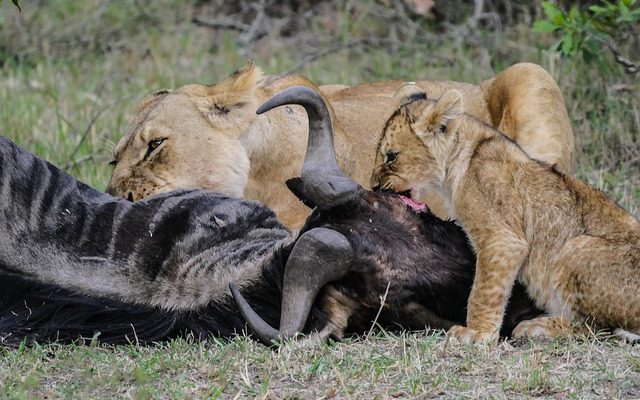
(609, 24)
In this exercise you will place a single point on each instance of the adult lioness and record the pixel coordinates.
(210, 136)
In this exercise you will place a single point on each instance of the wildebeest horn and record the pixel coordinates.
(323, 182)
(319, 256)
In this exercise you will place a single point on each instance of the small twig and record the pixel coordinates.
(93, 120)
(77, 161)
(254, 32)
(322, 53)
(383, 300)
(630, 67)
(221, 24)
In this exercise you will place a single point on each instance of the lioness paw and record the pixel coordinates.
(465, 335)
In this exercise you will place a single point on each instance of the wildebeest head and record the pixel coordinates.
(320, 255)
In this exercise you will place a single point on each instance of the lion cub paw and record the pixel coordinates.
(545, 327)
(466, 335)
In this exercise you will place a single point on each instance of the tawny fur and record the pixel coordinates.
(213, 139)
(576, 251)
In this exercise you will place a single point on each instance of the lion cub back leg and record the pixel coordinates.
(600, 280)
(543, 327)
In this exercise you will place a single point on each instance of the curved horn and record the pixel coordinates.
(319, 256)
(324, 183)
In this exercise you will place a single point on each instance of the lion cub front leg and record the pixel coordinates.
(498, 261)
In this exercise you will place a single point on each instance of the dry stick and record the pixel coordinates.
(253, 32)
(341, 46)
(83, 159)
(630, 67)
(94, 118)
(220, 24)
(383, 299)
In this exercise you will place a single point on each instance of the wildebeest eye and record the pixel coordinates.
(152, 145)
(390, 157)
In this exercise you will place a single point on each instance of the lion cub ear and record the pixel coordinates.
(442, 117)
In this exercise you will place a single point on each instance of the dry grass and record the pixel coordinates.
(71, 73)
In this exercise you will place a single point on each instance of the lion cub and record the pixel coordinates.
(576, 251)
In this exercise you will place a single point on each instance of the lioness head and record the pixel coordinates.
(416, 142)
(155, 156)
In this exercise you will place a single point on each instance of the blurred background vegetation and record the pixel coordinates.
(72, 71)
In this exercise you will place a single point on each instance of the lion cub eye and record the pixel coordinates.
(152, 145)
(443, 128)
(390, 157)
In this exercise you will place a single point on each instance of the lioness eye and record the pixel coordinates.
(390, 157)
(152, 146)
(222, 109)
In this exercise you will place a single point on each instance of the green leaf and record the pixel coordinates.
(567, 45)
(597, 9)
(574, 14)
(545, 26)
(591, 46)
(624, 10)
(553, 13)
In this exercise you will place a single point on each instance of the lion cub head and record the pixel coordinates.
(188, 138)
(416, 142)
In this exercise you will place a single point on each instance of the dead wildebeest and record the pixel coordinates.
(75, 262)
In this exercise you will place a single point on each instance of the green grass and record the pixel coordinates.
(382, 366)
(70, 75)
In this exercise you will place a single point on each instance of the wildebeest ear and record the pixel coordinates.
(297, 188)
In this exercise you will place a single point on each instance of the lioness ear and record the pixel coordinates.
(441, 117)
(234, 93)
(236, 90)
(296, 187)
(408, 93)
